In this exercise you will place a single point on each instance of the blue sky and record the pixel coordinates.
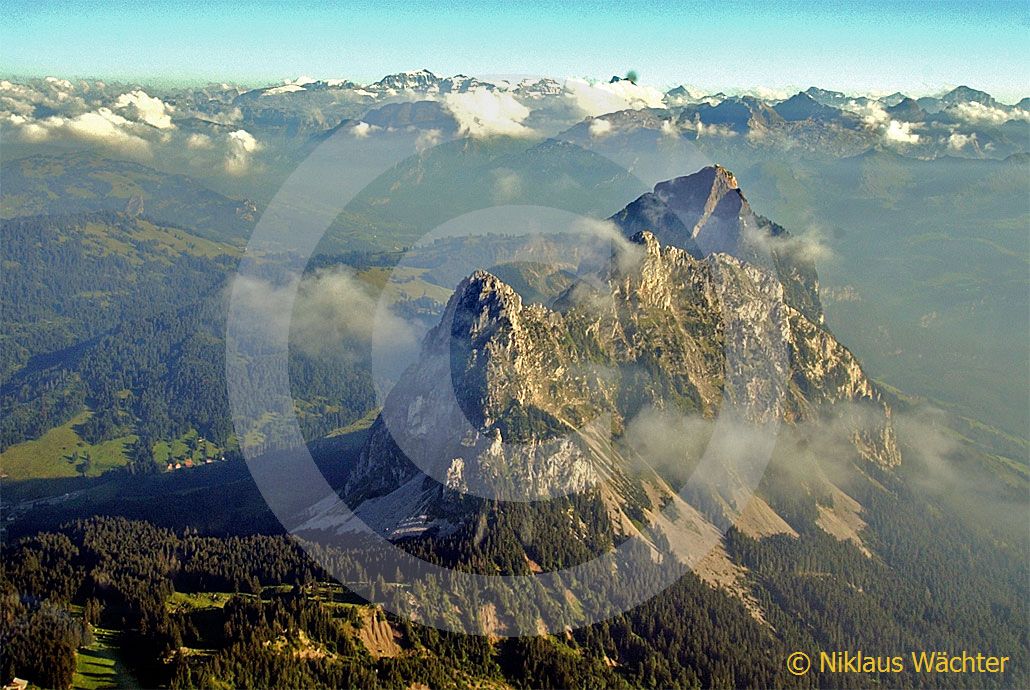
(916, 47)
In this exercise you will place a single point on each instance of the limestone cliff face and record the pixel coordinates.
(703, 213)
(706, 213)
(524, 402)
(528, 402)
(498, 404)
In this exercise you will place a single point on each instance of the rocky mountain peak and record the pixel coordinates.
(505, 397)
(893, 99)
(825, 96)
(966, 94)
(539, 88)
(803, 106)
(739, 113)
(483, 336)
(415, 114)
(681, 95)
(418, 80)
(907, 110)
(647, 239)
(461, 83)
(706, 213)
(485, 295)
(723, 177)
(701, 213)
(696, 198)
(517, 401)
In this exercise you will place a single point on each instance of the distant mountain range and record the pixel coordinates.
(224, 129)
(425, 82)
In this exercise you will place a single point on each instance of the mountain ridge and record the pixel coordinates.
(533, 384)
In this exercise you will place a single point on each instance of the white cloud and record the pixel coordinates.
(363, 129)
(53, 108)
(146, 108)
(958, 141)
(242, 145)
(105, 126)
(879, 120)
(199, 141)
(872, 113)
(714, 130)
(56, 95)
(978, 112)
(332, 310)
(17, 98)
(27, 128)
(808, 245)
(427, 139)
(901, 132)
(507, 186)
(483, 113)
(599, 98)
(102, 127)
(62, 84)
(599, 127)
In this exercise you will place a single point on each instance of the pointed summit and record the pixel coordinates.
(803, 106)
(483, 289)
(836, 99)
(480, 307)
(701, 213)
(483, 292)
(893, 99)
(907, 110)
(680, 95)
(706, 213)
(965, 94)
